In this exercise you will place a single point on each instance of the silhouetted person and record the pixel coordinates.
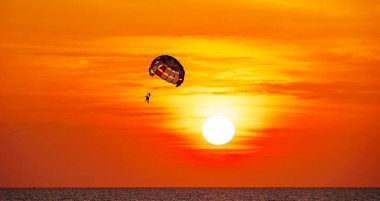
(147, 97)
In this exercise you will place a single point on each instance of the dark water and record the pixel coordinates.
(169, 194)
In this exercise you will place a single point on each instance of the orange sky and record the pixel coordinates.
(300, 80)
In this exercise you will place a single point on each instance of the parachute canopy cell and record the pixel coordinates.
(168, 69)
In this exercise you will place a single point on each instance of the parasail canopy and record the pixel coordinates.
(168, 69)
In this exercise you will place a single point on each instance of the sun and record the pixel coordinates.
(218, 130)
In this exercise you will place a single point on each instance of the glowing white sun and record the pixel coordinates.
(218, 130)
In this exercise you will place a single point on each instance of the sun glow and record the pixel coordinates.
(218, 130)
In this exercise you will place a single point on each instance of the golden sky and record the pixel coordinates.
(299, 79)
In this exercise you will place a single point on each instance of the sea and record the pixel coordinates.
(169, 194)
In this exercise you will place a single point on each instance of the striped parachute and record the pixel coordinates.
(168, 69)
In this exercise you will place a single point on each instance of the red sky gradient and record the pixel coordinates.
(300, 80)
